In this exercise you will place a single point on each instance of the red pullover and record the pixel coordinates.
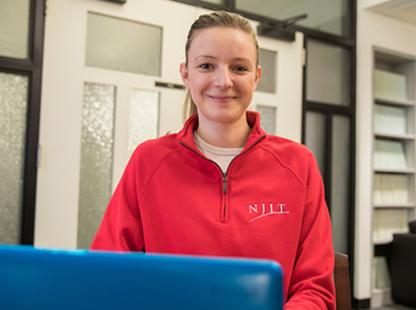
(269, 204)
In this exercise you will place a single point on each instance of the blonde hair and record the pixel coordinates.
(216, 19)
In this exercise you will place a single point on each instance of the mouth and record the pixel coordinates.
(221, 98)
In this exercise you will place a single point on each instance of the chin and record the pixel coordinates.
(223, 118)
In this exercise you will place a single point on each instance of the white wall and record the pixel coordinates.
(373, 30)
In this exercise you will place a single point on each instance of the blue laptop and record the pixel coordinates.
(57, 279)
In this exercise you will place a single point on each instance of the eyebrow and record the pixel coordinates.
(213, 57)
(205, 56)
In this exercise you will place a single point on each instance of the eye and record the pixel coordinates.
(206, 67)
(241, 69)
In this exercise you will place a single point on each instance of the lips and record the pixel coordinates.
(221, 97)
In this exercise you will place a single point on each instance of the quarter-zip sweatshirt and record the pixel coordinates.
(269, 204)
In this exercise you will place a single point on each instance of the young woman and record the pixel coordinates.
(222, 186)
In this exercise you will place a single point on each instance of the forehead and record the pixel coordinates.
(222, 41)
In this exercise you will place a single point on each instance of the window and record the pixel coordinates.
(331, 16)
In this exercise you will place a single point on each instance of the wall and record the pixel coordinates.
(373, 30)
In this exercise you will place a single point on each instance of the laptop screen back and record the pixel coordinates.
(56, 279)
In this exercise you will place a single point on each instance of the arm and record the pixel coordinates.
(312, 285)
(121, 228)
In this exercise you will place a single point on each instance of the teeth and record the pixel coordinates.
(220, 97)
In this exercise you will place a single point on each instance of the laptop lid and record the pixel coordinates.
(60, 279)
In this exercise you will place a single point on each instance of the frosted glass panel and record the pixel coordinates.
(391, 189)
(143, 117)
(328, 74)
(268, 79)
(340, 187)
(268, 118)
(389, 155)
(13, 105)
(386, 222)
(392, 120)
(381, 277)
(118, 44)
(315, 137)
(96, 158)
(326, 15)
(14, 28)
(390, 85)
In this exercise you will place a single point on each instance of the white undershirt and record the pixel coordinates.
(221, 155)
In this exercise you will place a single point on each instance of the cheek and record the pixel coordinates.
(196, 83)
(197, 89)
(249, 87)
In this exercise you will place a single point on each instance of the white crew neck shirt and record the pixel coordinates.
(220, 155)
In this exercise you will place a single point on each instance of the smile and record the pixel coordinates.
(221, 97)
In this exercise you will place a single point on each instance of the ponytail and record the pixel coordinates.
(189, 106)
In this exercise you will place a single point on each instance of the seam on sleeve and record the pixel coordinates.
(284, 165)
(153, 173)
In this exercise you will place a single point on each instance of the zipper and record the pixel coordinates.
(223, 211)
(224, 206)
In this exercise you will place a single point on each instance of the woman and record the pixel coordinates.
(222, 186)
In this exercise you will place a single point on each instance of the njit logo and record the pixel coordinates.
(266, 209)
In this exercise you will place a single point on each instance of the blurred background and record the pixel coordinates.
(82, 82)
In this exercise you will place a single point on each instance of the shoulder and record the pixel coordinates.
(162, 145)
(293, 155)
(288, 150)
(146, 160)
(150, 154)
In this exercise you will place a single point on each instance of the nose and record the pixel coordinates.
(223, 78)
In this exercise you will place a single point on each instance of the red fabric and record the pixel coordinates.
(171, 199)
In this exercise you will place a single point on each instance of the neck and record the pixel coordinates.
(228, 135)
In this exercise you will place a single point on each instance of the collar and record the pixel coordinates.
(185, 136)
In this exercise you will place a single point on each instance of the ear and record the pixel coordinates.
(183, 70)
(258, 75)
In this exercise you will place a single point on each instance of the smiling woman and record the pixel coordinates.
(222, 73)
(222, 186)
